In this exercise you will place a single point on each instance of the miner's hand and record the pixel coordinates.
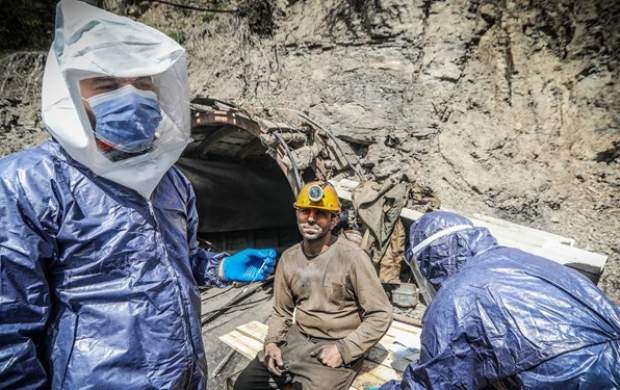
(329, 355)
(273, 358)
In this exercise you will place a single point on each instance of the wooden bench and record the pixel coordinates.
(385, 361)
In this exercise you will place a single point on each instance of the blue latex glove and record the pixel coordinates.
(249, 265)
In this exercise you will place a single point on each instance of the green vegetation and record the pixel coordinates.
(177, 35)
(207, 17)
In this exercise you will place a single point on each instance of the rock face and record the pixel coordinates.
(25, 35)
(507, 108)
(20, 93)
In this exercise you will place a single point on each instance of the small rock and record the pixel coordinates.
(489, 13)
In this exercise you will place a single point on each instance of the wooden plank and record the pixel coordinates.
(383, 353)
(254, 329)
(258, 330)
(524, 237)
(405, 327)
(405, 339)
(245, 345)
(579, 258)
(370, 374)
(513, 227)
(374, 374)
(381, 365)
(536, 242)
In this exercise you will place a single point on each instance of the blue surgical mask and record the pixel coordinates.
(126, 118)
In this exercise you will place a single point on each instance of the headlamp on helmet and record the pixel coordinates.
(318, 195)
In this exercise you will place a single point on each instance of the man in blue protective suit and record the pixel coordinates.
(99, 263)
(505, 319)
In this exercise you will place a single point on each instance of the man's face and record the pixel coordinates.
(314, 224)
(98, 85)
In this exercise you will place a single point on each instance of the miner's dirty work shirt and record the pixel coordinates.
(337, 295)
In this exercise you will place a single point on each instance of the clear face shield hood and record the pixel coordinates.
(90, 42)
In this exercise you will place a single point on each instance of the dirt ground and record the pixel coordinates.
(508, 110)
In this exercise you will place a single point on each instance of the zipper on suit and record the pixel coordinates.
(177, 285)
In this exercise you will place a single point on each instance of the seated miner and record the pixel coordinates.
(341, 309)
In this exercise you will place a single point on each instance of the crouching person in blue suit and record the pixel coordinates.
(505, 319)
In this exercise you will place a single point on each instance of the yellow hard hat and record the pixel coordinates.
(318, 195)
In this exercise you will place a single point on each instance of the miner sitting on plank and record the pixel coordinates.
(341, 308)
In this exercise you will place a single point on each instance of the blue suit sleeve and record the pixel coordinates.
(26, 245)
(454, 353)
(449, 369)
(205, 264)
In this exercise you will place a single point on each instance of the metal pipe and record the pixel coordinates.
(195, 8)
(298, 181)
(329, 133)
(223, 363)
(359, 173)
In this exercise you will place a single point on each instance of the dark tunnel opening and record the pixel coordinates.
(243, 198)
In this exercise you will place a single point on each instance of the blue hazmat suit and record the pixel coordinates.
(506, 319)
(98, 286)
(99, 263)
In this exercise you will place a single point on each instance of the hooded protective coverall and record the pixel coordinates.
(506, 319)
(99, 263)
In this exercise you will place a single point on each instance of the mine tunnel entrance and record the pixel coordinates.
(242, 196)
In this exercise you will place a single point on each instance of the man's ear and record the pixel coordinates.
(334, 222)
